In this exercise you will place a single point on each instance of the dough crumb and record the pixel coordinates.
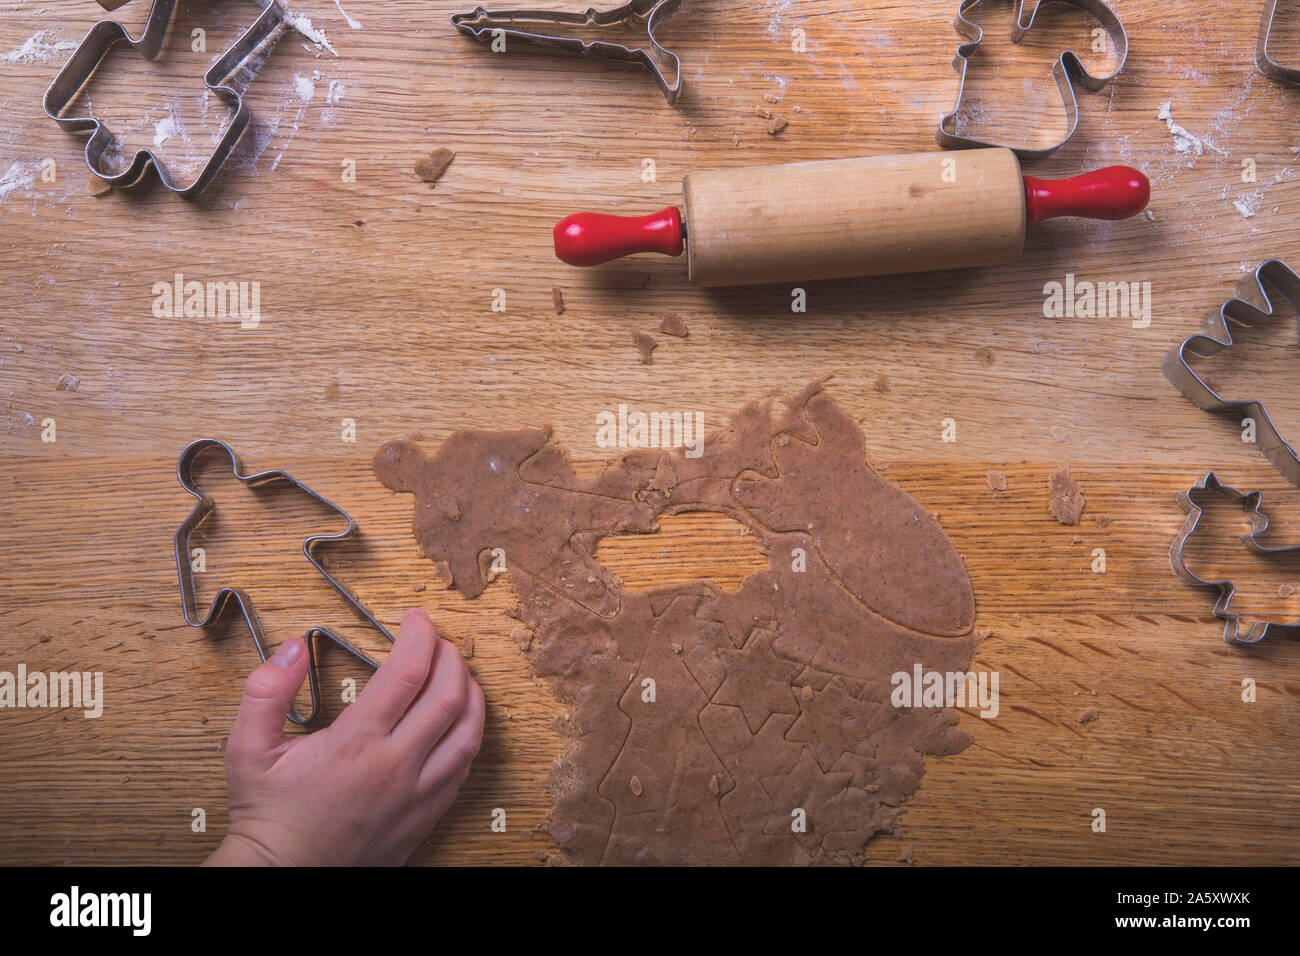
(772, 97)
(672, 324)
(763, 112)
(996, 481)
(557, 298)
(714, 786)
(1285, 590)
(67, 383)
(430, 168)
(442, 570)
(467, 647)
(1065, 496)
(635, 786)
(418, 586)
(805, 693)
(906, 855)
(646, 346)
(1089, 715)
(778, 124)
(523, 637)
(1103, 521)
(882, 384)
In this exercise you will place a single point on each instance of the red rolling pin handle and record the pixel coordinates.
(1116, 192)
(590, 238)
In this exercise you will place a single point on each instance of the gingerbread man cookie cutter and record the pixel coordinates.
(241, 598)
(1271, 274)
(1191, 502)
(90, 54)
(541, 28)
(1067, 71)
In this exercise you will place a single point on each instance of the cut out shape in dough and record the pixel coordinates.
(745, 727)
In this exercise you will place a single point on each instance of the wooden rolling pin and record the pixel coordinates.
(853, 217)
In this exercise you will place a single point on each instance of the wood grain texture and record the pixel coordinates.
(376, 305)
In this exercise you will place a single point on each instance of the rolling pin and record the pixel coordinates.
(852, 217)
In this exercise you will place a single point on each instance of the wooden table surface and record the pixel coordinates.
(376, 306)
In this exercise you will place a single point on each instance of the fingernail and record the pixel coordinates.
(288, 652)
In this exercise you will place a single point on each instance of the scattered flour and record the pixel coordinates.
(1184, 140)
(20, 176)
(351, 23)
(776, 21)
(165, 129)
(304, 26)
(305, 86)
(39, 48)
(1248, 205)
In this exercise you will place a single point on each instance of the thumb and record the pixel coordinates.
(268, 692)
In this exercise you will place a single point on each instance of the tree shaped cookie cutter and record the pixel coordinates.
(241, 599)
(539, 28)
(1265, 63)
(90, 54)
(1067, 70)
(1190, 501)
(1271, 274)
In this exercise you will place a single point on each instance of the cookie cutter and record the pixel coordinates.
(1067, 70)
(1190, 502)
(1265, 63)
(536, 28)
(90, 54)
(1271, 274)
(241, 599)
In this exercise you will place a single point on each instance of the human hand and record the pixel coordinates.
(367, 789)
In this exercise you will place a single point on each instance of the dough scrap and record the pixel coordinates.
(673, 324)
(430, 168)
(1065, 496)
(704, 725)
(646, 346)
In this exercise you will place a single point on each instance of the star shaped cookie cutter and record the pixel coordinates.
(1190, 501)
(1265, 63)
(537, 28)
(241, 599)
(1271, 274)
(1067, 70)
(90, 54)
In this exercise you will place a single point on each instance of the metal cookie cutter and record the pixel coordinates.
(537, 28)
(1272, 274)
(189, 602)
(1265, 63)
(1067, 70)
(1190, 501)
(106, 34)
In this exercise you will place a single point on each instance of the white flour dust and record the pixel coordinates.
(39, 48)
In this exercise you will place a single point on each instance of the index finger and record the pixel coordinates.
(399, 679)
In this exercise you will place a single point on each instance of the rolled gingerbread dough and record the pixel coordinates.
(745, 727)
